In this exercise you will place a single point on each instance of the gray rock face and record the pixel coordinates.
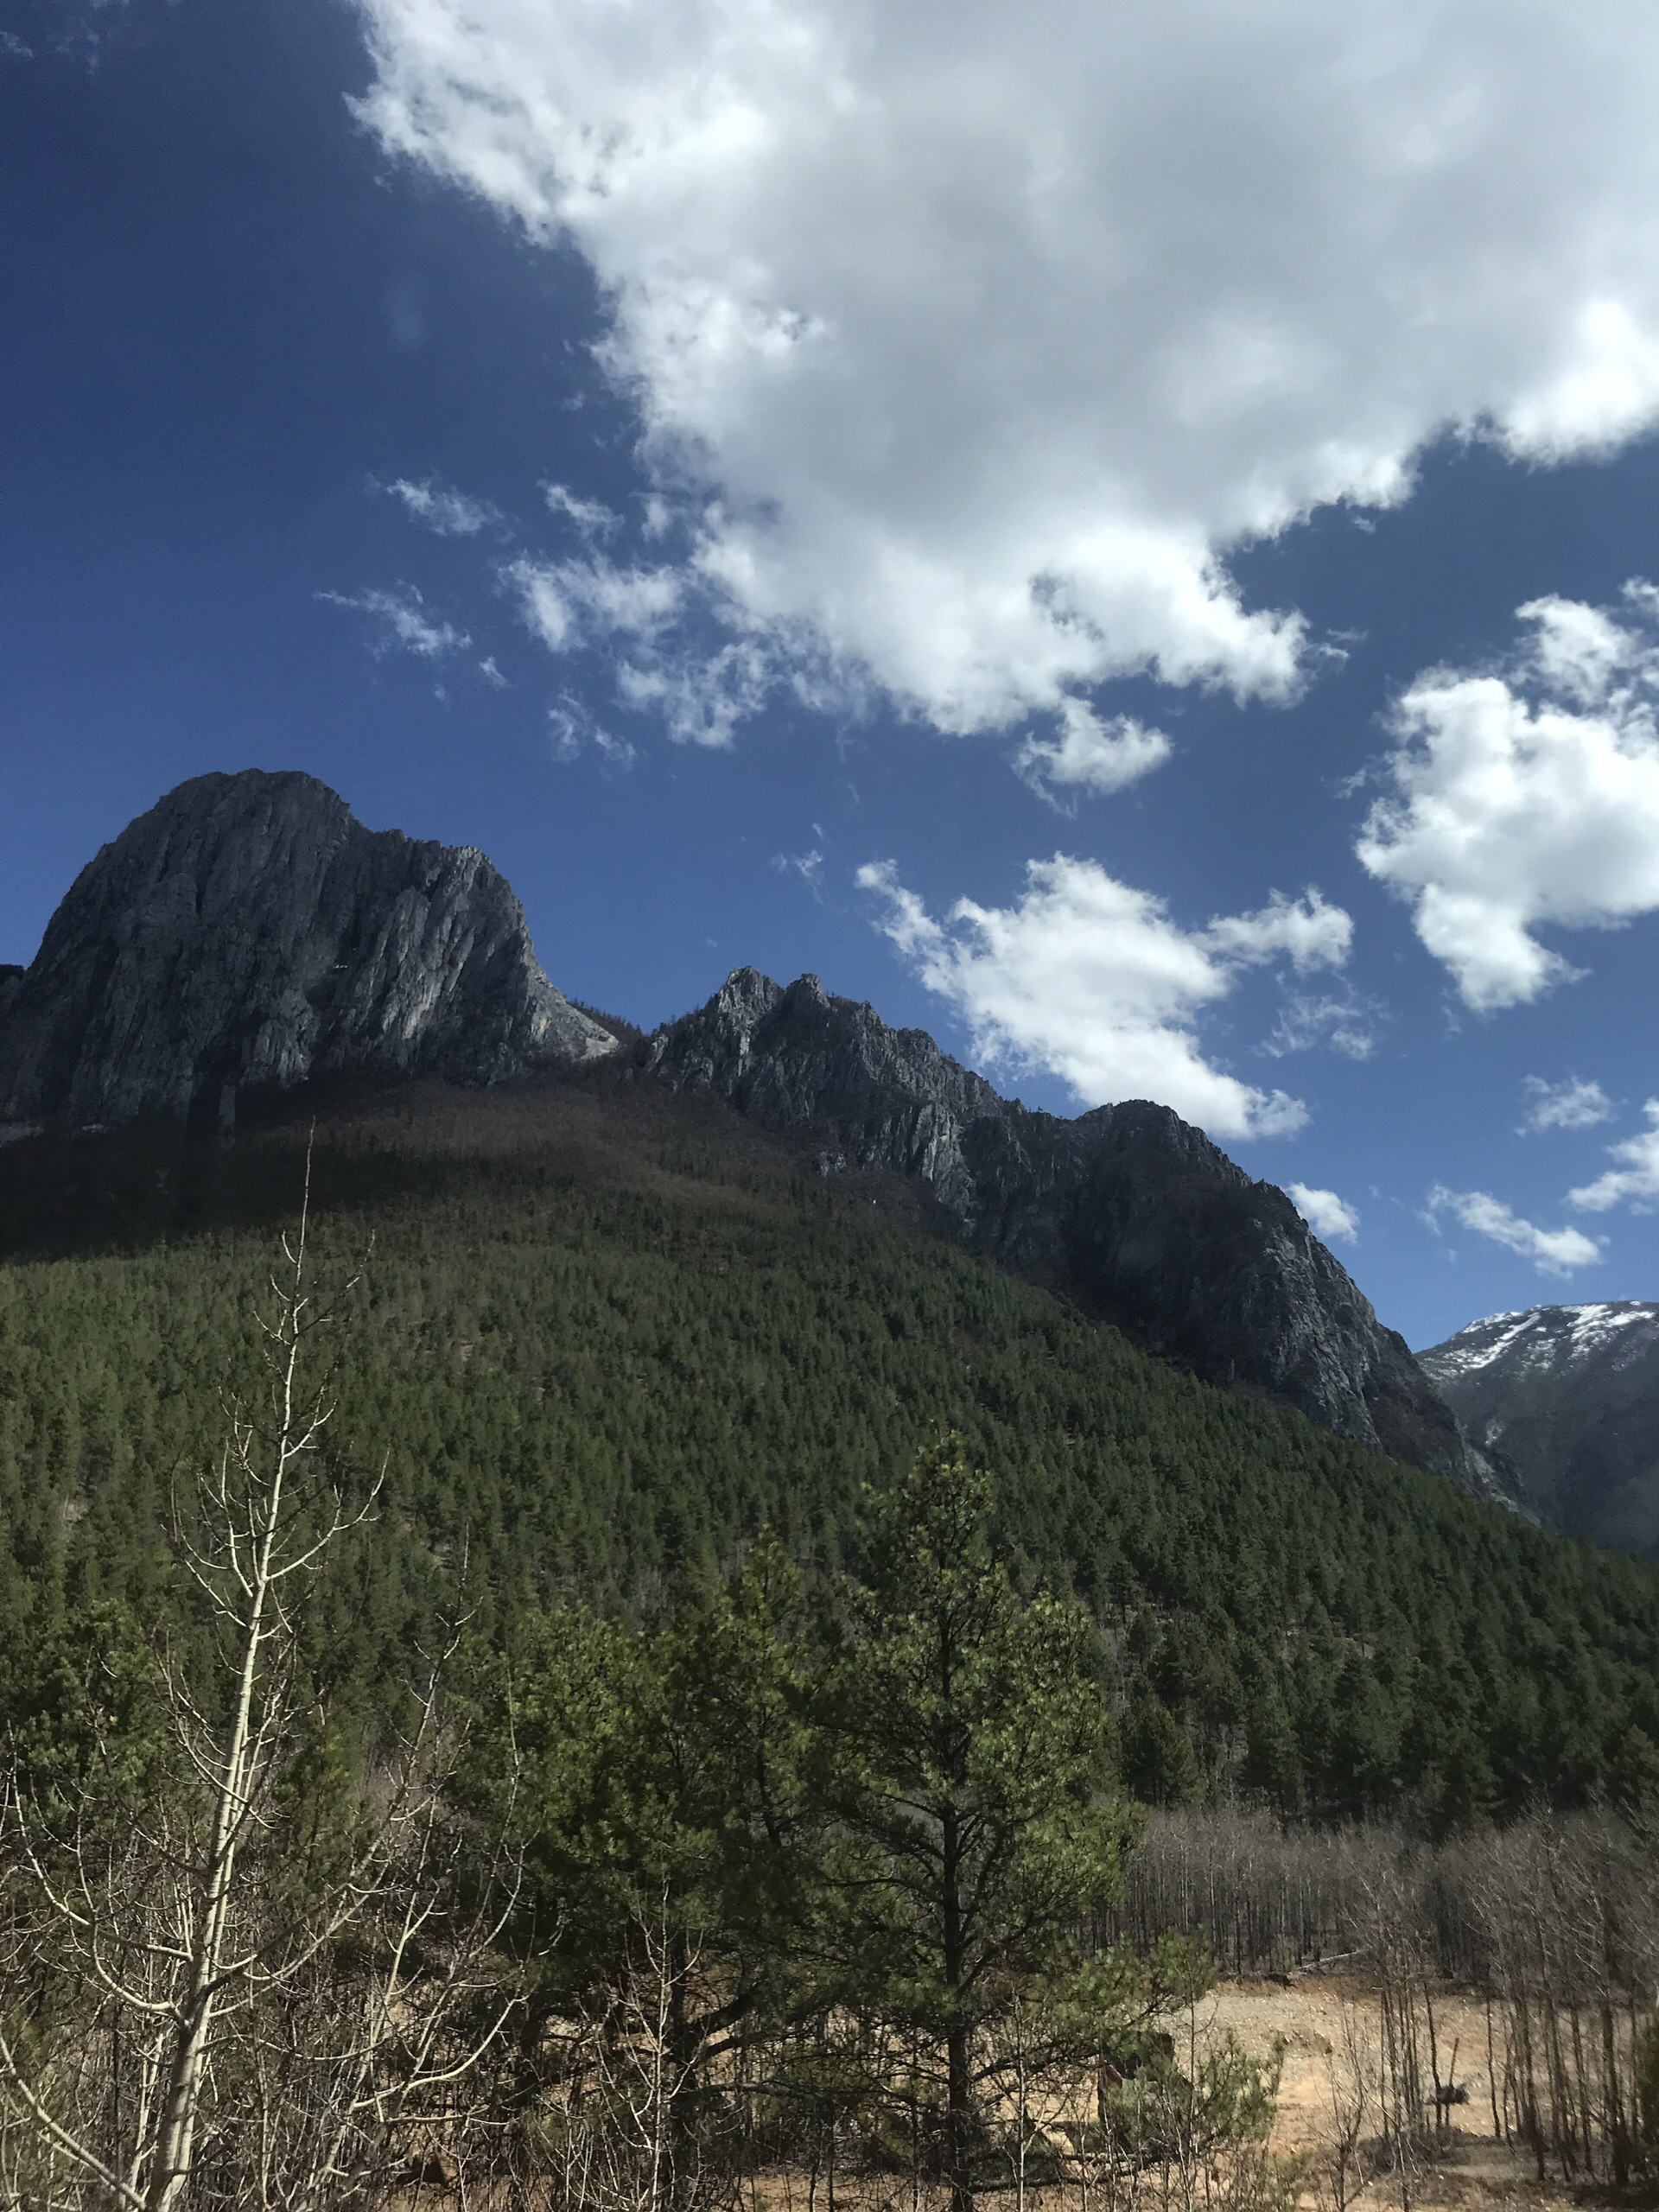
(1128, 1208)
(1570, 1394)
(249, 930)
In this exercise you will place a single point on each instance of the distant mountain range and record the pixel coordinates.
(248, 931)
(1570, 1395)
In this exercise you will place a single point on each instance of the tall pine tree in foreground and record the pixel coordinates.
(968, 1736)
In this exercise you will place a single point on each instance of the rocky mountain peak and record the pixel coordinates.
(250, 929)
(1127, 1209)
(1570, 1395)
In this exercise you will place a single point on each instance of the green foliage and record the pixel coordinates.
(969, 1733)
(608, 1335)
(1208, 2130)
(656, 1779)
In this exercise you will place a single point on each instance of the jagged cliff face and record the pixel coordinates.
(249, 930)
(1570, 1394)
(1128, 1208)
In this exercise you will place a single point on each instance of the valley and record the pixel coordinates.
(834, 1600)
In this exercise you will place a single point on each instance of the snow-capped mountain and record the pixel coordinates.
(1570, 1394)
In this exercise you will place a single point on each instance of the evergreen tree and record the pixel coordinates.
(968, 1733)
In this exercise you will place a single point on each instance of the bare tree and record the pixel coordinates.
(261, 2006)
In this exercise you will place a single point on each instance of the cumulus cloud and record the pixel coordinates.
(1569, 1104)
(1091, 980)
(982, 334)
(452, 514)
(403, 623)
(1634, 1181)
(1526, 797)
(1552, 1251)
(1089, 755)
(1325, 1214)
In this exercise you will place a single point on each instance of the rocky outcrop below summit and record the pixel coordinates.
(249, 930)
(1127, 1209)
(1570, 1395)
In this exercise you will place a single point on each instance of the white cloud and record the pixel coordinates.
(404, 623)
(1526, 797)
(591, 517)
(1091, 755)
(491, 674)
(1325, 1214)
(808, 865)
(452, 514)
(987, 332)
(572, 729)
(1342, 1020)
(701, 692)
(1091, 979)
(1552, 1251)
(573, 603)
(1635, 1182)
(700, 697)
(1569, 1104)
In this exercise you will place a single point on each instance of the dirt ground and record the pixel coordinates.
(1317, 2016)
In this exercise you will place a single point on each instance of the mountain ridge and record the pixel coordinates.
(248, 930)
(1570, 1395)
(1127, 1206)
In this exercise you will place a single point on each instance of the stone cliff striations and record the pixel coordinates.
(1129, 1209)
(1570, 1395)
(249, 930)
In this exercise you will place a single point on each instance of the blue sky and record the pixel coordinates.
(1027, 514)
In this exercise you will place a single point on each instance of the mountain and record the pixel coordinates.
(605, 1331)
(1570, 1394)
(1127, 1210)
(249, 930)
(249, 934)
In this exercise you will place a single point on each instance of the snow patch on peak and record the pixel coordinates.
(1595, 1325)
(1473, 1347)
(1538, 1336)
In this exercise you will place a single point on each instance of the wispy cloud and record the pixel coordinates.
(651, 622)
(402, 621)
(1344, 1020)
(1568, 1104)
(808, 865)
(452, 514)
(591, 517)
(1552, 1251)
(572, 730)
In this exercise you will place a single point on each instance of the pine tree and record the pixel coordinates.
(968, 1731)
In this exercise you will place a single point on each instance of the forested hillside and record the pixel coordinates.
(602, 1337)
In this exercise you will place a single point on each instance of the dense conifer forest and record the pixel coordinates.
(602, 1339)
(614, 1670)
